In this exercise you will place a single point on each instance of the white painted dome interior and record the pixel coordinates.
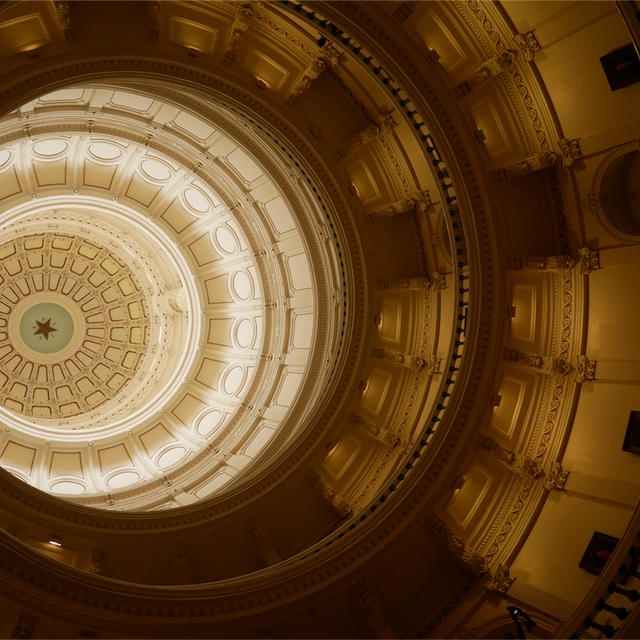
(194, 290)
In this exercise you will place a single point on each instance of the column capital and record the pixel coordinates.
(400, 207)
(531, 164)
(586, 369)
(244, 13)
(403, 11)
(489, 69)
(335, 500)
(556, 478)
(383, 123)
(500, 580)
(367, 425)
(415, 284)
(63, 17)
(544, 364)
(496, 450)
(570, 150)
(541, 263)
(391, 356)
(328, 57)
(528, 44)
(476, 563)
(589, 260)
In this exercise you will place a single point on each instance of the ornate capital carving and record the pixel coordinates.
(405, 283)
(528, 44)
(591, 201)
(63, 18)
(403, 11)
(335, 500)
(589, 260)
(522, 465)
(391, 356)
(489, 69)
(542, 263)
(384, 123)
(557, 477)
(475, 562)
(496, 450)
(438, 281)
(500, 581)
(586, 369)
(244, 13)
(404, 206)
(328, 57)
(368, 426)
(528, 467)
(531, 164)
(543, 364)
(570, 150)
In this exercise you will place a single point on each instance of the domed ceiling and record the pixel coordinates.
(158, 303)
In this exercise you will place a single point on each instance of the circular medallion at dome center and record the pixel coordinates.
(46, 327)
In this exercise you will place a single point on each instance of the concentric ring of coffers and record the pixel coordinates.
(232, 403)
(74, 325)
(120, 279)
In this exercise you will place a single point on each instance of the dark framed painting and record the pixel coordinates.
(632, 436)
(622, 67)
(599, 550)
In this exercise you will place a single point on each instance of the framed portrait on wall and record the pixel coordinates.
(598, 551)
(622, 67)
(632, 436)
